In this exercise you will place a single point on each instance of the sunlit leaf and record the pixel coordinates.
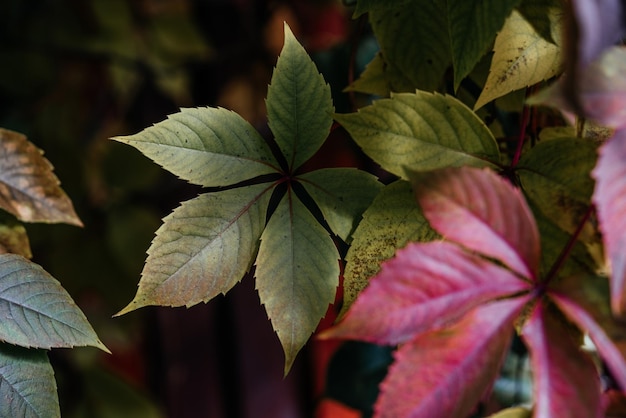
(472, 27)
(516, 412)
(37, 311)
(610, 200)
(203, 248)
(421, 131)
(425, 286)
(28, 187)
(565, 381)
(27, 385)
(521, 58)
(206, 146)
(342, 195)
(297, 273)
(393, 219)
(483, 212)
(444, 373)
(299, 106)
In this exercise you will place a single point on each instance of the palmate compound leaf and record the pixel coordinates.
(392, 220)
(299, 105)
(342, 194)
(444, 373)
(483, 212)
(521, 58)
(610, 199)
(36, 311)
(203, 248)
(565, 383)
(28, 187)
(206, 146)
(472, 27)
(425, 286)
(421, 131)
(297, 273)
(27, 385)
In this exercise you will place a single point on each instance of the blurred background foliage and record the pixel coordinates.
(74, 73)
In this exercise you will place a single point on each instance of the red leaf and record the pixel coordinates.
(426, 286)
(566, 383)
(483, 212)
(444, 373)
(605, 346)
(610, 200)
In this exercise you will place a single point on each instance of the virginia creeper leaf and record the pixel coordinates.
(203, 248)
(516, 412)
(342, 195)
(27, 385)
(392, 220)
(444, 373)
(521, 58)
(206, 146)
(425, 286)
(28, 187)
(610, 200)
(555, 176)
(421, 131)
(566, 383)
(299, 106)
(483, 212)
(472, 27)
(423, 25)
(297, 273)
(377, 79)
(37, 311)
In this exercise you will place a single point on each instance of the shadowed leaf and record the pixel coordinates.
(28, 187)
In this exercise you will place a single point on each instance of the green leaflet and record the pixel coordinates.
(393, 219)
(377, 79)
(299, 105)
(415, 44)
(206, 146)
(421, 131)
(297, 273)
(203, 248)
(472, 26)
(27, 385)
(342, 195)
(37, 311)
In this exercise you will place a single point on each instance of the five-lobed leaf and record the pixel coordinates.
(28, 187)
(27, 385)
(299, 105)
(37, 311)
(206, 146)
(297, 273)
(421, 131)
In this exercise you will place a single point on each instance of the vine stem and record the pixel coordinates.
(568, 247)
(522, 134)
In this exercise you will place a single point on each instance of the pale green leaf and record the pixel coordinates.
(27, 385)
(297, 272)
(299, 105)
(206, 146)
(203, 248)
(28, 187)
(36, 311)
(517, 412)
(421, 131)
(472, 26)
(342, 195)
(521, 58)
(376, 79)
(415, 44)
(393, 219)
(537, 13)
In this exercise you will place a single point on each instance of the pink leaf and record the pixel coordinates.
(610, 200)
(566, 383)
(607, 349)
(444, 373)
(483, 212)
(426, 286)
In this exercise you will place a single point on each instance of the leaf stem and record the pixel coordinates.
(522, 134)
(568, 247)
